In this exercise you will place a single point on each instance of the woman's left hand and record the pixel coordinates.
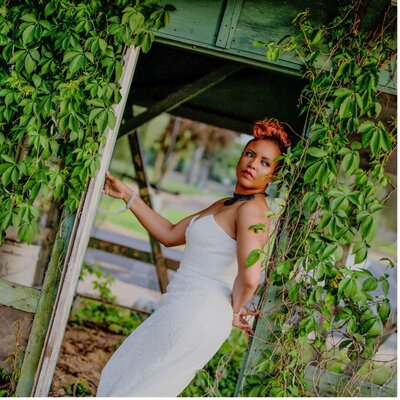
(240, 322)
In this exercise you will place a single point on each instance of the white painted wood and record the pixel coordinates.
(79, 243)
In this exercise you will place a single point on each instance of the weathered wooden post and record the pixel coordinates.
(156, 251)
(54, 333)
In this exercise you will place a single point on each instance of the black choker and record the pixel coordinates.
(241, 197)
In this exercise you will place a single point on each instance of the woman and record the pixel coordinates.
(206, 297)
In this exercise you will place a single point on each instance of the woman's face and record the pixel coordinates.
(256, 165)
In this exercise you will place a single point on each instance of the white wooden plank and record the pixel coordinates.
(79, 243)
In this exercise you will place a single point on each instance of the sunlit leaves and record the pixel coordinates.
(59, 82)
(330, 208)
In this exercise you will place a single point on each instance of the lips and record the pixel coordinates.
(247, 173)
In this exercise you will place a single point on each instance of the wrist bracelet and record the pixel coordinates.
(131, 200)
(237, 314)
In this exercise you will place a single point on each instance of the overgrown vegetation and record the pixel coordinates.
(331, 208)
(78, 389)
(115, 319)
(219, 376)
(8, 380)
(6, 385)
(59, 71)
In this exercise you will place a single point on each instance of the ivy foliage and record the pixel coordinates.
(59, 71)
(332, 205)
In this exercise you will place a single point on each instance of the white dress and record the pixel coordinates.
(190, 323)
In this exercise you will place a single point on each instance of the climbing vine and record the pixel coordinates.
(331, 207)
(59, 71)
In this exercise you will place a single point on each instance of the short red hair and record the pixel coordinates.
(273, 130)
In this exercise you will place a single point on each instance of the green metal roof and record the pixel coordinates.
(206, 35)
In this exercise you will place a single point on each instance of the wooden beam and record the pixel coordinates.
(18, 296)
(190, 111)
(44, 307)
(157, 256)
(78, 245)
(228, 24)
(125, 251)
(181, 96)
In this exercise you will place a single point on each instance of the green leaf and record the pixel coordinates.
(29, 64)
(29, 18)
(376, 329)
(344, 343)
(350, 163)
(294, 292)
(94, 113)
(311, 172)
(366, 126)
(252, 258)
(147, 40)
(344, 283)
(346, 108)
(96, 102)
(69, 55)
(351, 289)
(112, 119)
(37, 80)
(386, 142)
(341, 92)
(102, 121)
(370, 284)
(378, 109)
(136, 21)
(257, 227)
(49, 9)
(258, 43)
(6, 177)
(27, 233)
(361, 255)
(384, 310)
(15, 175)
(75, 64)
(385, 286)
(356, 145)
(27, 34)
(370, 232)
(9, 99)
(316, 152)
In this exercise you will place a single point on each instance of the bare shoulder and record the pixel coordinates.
(253, 209)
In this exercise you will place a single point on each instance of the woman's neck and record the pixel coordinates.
(240, 190)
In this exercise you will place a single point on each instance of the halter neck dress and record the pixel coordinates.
(190, 323)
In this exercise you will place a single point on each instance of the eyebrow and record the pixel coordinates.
(264, 158)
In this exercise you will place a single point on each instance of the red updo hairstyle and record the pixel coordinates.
(272, 130)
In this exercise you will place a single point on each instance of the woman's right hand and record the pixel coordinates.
(240, 322)
(115, 188)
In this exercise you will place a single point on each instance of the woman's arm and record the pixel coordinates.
(247, 279)
(164, 231)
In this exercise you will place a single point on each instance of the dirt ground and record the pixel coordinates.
(84, 353)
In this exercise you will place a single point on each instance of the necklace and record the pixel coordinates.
(241, 197)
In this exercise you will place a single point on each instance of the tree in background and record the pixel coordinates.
(193, 141)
